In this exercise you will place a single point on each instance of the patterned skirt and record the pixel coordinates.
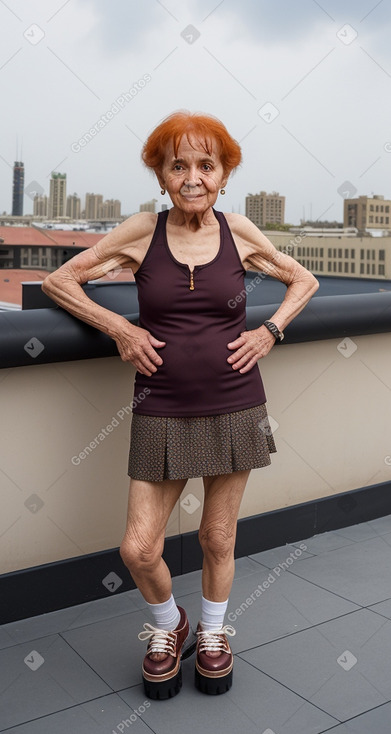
(184, 448)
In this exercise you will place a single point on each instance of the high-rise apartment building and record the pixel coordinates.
(58, 196)
(111, 209)
(367, 212)
(40, 205)
(148, 206)
(265, 208)
(93, 205)
(18, 189)
(73, 206)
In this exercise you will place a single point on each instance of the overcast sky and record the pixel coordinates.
(304, 86)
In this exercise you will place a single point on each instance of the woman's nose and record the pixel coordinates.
(193, 179)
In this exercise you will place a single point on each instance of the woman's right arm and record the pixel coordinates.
(125, 246)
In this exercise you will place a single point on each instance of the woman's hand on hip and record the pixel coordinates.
(136, 345)
(249, 347)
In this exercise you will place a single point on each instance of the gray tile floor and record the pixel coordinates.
(312, 651)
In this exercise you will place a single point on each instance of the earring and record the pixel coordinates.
(162, 191)
(222, 192)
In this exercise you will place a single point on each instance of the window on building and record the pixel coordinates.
(352, 254)
(329, 252)
(373, 255)
(382, 255)
(340, 267)
(387, 220)
(368, 255)
(321, 252)
(321, 266)
(373, 269)
(334, 267)
(368, 269)
(371, 220)
(346, 267)
(352, 267)
(334, 252)
(362, 266)
(371, 207)
(381, 270)
(361, 254)
(299, 250)
(340, 252)
(329, 267)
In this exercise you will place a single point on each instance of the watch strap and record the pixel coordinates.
(279, 335)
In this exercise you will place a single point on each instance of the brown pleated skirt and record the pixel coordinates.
(184, 448)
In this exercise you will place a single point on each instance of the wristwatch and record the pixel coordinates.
(279, 335)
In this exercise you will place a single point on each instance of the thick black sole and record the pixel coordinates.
(165, 689)
(213, 686)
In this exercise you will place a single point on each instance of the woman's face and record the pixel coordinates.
(192, 178)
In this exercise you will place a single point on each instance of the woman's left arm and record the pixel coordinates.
(259, 254)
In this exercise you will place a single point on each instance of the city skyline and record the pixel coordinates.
(300, 86)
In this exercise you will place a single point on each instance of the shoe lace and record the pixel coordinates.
(159, 640)
(213, 640)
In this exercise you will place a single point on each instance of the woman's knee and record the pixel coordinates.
(140, 551)
(217, 540)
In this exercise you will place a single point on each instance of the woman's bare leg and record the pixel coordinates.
(217, 533)
(149, 507)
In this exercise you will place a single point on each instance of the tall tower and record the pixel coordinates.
(18, 189)
(58, 196)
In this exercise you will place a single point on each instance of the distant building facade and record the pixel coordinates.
(111, 209)
(367, 213)
(40, 206)
(93, 204)
(355, 257)
(265, 208)
(58, 196)
(73, 206)
(17, 189)
(149, 206)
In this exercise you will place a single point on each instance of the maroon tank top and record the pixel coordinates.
(195, 378)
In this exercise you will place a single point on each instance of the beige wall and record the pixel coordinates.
(333, 435)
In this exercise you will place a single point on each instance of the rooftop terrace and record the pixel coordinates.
(314, 534)
(312, 651)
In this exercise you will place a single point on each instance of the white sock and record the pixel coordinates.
(212, 613)
(166, 614)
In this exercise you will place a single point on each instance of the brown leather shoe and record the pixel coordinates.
(213, 672)
(163, 678)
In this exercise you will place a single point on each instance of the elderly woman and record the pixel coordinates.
(204, 411)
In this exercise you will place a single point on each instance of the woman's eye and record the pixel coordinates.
(177, 167)
(207, 167)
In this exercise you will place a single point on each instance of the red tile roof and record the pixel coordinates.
(11, 283)
(48, 237)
